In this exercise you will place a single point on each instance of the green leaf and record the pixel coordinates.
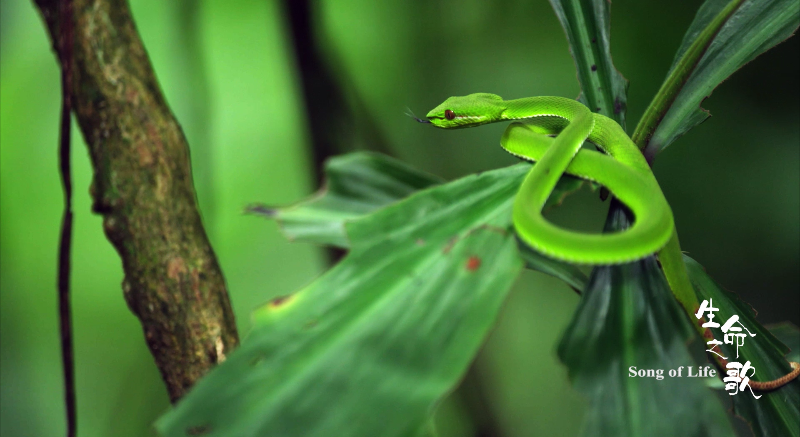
(587, 25)
(789, 335)
(374, 343)
(568, 273)
(356, 184)
(628, 317)
(723, 37)
(776, 413)
(361, 183)
(565, 186)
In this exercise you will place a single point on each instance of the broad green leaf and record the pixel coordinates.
(748, 28)
(361, 183)
(776, 413)
(587, 25)
(375, 342)
(356, 184)
(628, 317)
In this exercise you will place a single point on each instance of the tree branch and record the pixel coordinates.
(142, 187)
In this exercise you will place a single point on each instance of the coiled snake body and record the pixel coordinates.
(622, 169)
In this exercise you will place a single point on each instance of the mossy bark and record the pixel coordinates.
(143, 188)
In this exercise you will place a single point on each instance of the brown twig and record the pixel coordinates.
(65, 243)
(142, 187)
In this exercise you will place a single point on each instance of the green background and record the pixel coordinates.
(229, 74)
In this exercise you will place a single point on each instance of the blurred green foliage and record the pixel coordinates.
(228, 73)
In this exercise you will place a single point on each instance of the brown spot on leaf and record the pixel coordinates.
(198, 430)
(449, 246)
(618, 106)
(278, 301)
(473, 263)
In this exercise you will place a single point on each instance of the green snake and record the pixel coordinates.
(622, 169)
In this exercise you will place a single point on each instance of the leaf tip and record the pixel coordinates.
(260, 209)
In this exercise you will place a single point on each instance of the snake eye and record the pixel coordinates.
(448, 114)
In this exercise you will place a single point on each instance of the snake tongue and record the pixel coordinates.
(419, 120)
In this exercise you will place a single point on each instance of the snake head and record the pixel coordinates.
(467, 111)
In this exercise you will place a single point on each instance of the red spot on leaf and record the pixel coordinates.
(473, 263)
